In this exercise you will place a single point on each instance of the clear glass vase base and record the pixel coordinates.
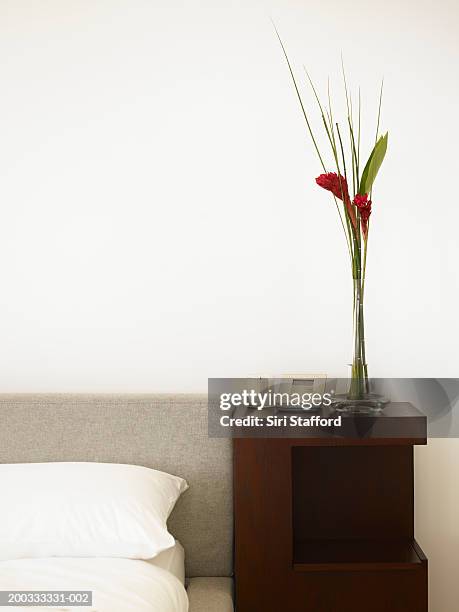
(369, 404)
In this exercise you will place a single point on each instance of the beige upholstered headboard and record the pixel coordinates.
(165, 432)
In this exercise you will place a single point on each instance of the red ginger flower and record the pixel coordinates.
(364, 205)
(334, 183)
(337, 184)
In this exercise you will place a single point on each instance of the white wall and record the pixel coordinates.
(160, 222)
(437, 509)
(159, 218)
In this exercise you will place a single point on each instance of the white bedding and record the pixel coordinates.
(172, 560)
(118, 585)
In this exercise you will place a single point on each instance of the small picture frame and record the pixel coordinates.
(306, 383)
(289, 383)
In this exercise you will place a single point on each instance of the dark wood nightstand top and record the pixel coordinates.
(399, 423)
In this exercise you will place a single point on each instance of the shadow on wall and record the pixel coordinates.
(438, 398)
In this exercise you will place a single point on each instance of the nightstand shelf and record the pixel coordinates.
(356, 555)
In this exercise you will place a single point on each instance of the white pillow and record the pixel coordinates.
(85, 510)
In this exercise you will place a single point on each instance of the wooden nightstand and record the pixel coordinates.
(325, 524)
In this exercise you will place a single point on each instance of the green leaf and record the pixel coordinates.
(373, 165)
(365, 173)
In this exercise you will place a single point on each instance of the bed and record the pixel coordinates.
(163, 432)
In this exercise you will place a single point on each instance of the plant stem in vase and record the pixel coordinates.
(354, 213)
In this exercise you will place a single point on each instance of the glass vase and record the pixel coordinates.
(359, 399)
